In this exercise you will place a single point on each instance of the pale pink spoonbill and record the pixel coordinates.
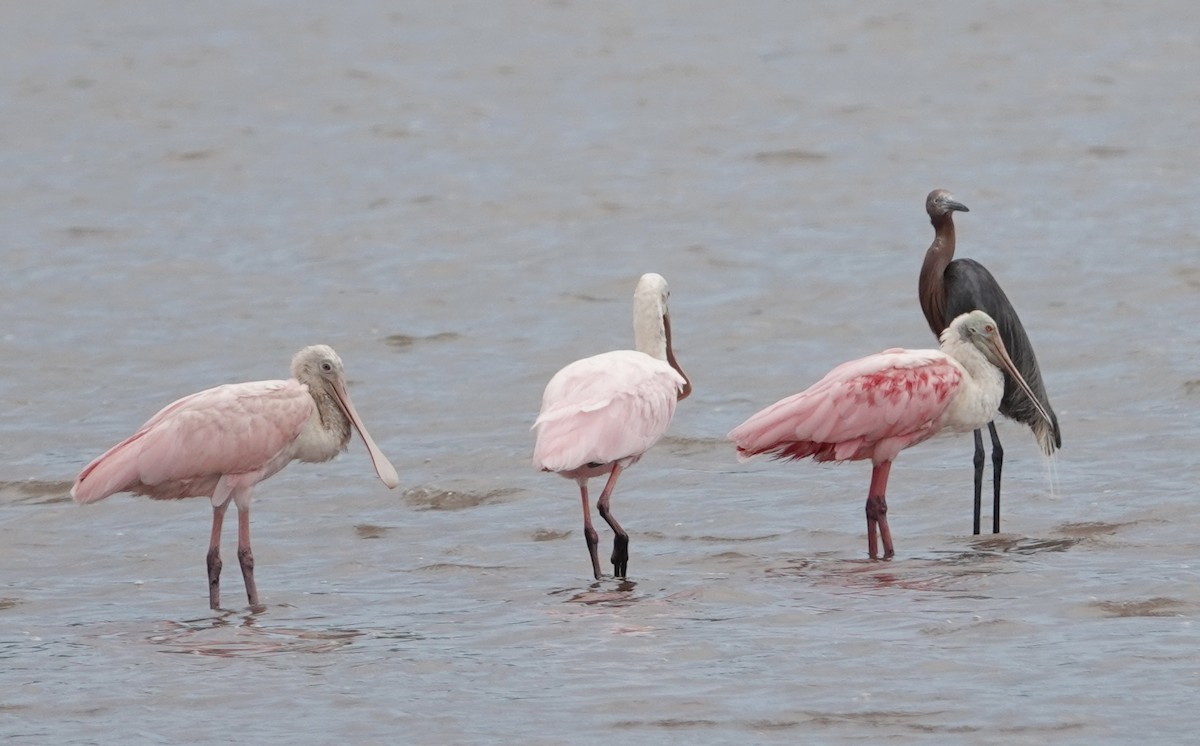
(877, 406)
(221, 442)
(602, 413)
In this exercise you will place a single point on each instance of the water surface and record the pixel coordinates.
(459, 198)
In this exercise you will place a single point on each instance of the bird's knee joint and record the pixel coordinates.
(876, 509)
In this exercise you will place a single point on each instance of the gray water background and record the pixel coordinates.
(459, 198)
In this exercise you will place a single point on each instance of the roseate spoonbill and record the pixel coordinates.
(221, 442)
(949, 287)
(602, 413)
(877, 406)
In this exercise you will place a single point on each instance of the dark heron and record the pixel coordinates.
(949, 287)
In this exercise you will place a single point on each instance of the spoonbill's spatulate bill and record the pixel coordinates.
(950, 287)
(221, 442)
(601, 414)
(877, 406)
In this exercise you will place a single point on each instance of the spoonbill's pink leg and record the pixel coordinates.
(877, 513)
(620, 553)
(245, 555)
(589, 532)
(214, 556)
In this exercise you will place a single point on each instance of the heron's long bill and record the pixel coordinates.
(997, 345)
(383, 467)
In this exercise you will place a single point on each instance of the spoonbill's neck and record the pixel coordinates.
(327, 432)
(978, 399)
(649, 331)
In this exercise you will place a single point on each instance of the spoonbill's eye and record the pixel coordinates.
(326, 366)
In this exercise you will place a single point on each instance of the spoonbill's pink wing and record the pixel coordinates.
(895, 397)
(604, 408)
(181, 451)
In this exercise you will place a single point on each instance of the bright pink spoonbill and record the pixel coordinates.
(221, 442)
(877, 406)
(601, 414)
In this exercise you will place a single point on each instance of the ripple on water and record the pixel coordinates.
(1022, 545)
(219, 637)
(435, 498)
(1149, 607)
(454, 567)
(408, 340)
(957, 574)
(35, 492)
(917, 722)
(730, 539)
(1099, 533)
(370, 531)
(597, 594)
(681, 445)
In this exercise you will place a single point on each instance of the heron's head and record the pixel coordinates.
(941, 203)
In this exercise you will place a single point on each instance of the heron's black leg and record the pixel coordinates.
(997, 464)
(978, 478)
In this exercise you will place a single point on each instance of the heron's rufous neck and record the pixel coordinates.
(931, 286)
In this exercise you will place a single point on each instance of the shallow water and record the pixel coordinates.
(459, 198)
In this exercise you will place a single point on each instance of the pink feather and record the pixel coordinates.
(604, 408)
(235, 429)
(870, 408)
